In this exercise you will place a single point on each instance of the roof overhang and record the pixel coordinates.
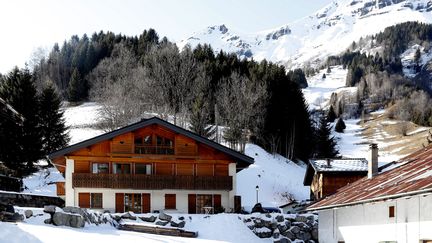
(241, 159)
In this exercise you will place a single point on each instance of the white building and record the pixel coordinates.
(393, 206)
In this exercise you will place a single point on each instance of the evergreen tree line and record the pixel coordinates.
(41, 130)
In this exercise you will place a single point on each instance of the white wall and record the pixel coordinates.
(157, 197)
(69, 191)
(371, 223)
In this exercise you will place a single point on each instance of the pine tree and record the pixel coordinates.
(77, 87)
(18, 90)
(331, 115)
(417, 57)
(325, 143)
(340, 125)
(200, 119)
(53, 128)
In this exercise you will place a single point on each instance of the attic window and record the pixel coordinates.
(391, 212)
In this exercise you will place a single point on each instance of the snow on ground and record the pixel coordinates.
(43, 182)
(211, 228)
(81, 120)
(275, 175)
(319, 89)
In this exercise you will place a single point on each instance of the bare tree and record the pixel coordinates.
(241, 103)
(121, 87)
(172, 73)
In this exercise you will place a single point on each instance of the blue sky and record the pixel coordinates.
(27, 24)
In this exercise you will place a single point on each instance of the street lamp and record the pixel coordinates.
(257, 189)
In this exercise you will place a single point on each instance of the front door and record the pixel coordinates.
(132, 202)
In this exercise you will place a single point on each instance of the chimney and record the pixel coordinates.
(373, 160)
(328, 162)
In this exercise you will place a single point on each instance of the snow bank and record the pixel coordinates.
(276, 177)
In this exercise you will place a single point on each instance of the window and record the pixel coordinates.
(96, 200)
(132, 202)
(170, 201)
(121, 168)
(145, 169)
(100, 168)
(391, 212)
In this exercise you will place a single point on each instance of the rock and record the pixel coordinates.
(295, 229)
(48, 221)
(273, 225)
(165, 217)
(268, 215)
(267, 223)
(276, 234)
(116, 217)
(283, 240)
(128, 215)
(304, 236)
(247, 220)
(150, 219)
(314, 233)
(302, 226)
(263, 232)
(181, 218)
(301, 218)
(65, 219)
(76, 221)
(180, 224)
(288, 224)
(311, 217)
(290, 235)
(60, 219)
(75, 210)
(16, 217)
(28, 213)
(51, 209)
(279, 218)
(282, 227)
(162, 223)
(258, 223)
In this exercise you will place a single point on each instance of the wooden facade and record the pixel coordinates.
(325, 184)
(150, 157)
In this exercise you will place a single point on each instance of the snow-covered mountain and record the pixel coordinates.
(308, 40)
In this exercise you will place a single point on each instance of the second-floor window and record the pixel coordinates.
(121, 168)
(100, 168)
(145, 169)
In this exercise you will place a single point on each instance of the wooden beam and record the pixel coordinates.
(146, 160)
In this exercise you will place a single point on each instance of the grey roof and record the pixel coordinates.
(340, 165)
(146, 122)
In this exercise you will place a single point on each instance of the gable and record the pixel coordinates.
(121, 141)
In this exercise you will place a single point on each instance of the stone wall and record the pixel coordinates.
(29, 200)
(284, 227)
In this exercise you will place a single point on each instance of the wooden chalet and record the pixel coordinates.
(151, 165)
(326, 176)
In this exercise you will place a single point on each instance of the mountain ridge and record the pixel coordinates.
(308, 40)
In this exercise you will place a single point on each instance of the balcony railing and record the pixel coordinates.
(144, 149)
(151, 182)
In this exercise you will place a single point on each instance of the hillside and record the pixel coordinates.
(311, 39)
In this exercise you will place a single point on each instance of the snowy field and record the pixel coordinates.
(213, 228)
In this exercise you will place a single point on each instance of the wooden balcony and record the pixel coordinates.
(144, 149)
(151, 182)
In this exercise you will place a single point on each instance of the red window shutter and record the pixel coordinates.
(119, 200)
(170, 201)
(84, 200)
(217, 201)
(146, 202)
(192, 203)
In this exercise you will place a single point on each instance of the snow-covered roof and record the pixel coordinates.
(340, 165)
(412, 177)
